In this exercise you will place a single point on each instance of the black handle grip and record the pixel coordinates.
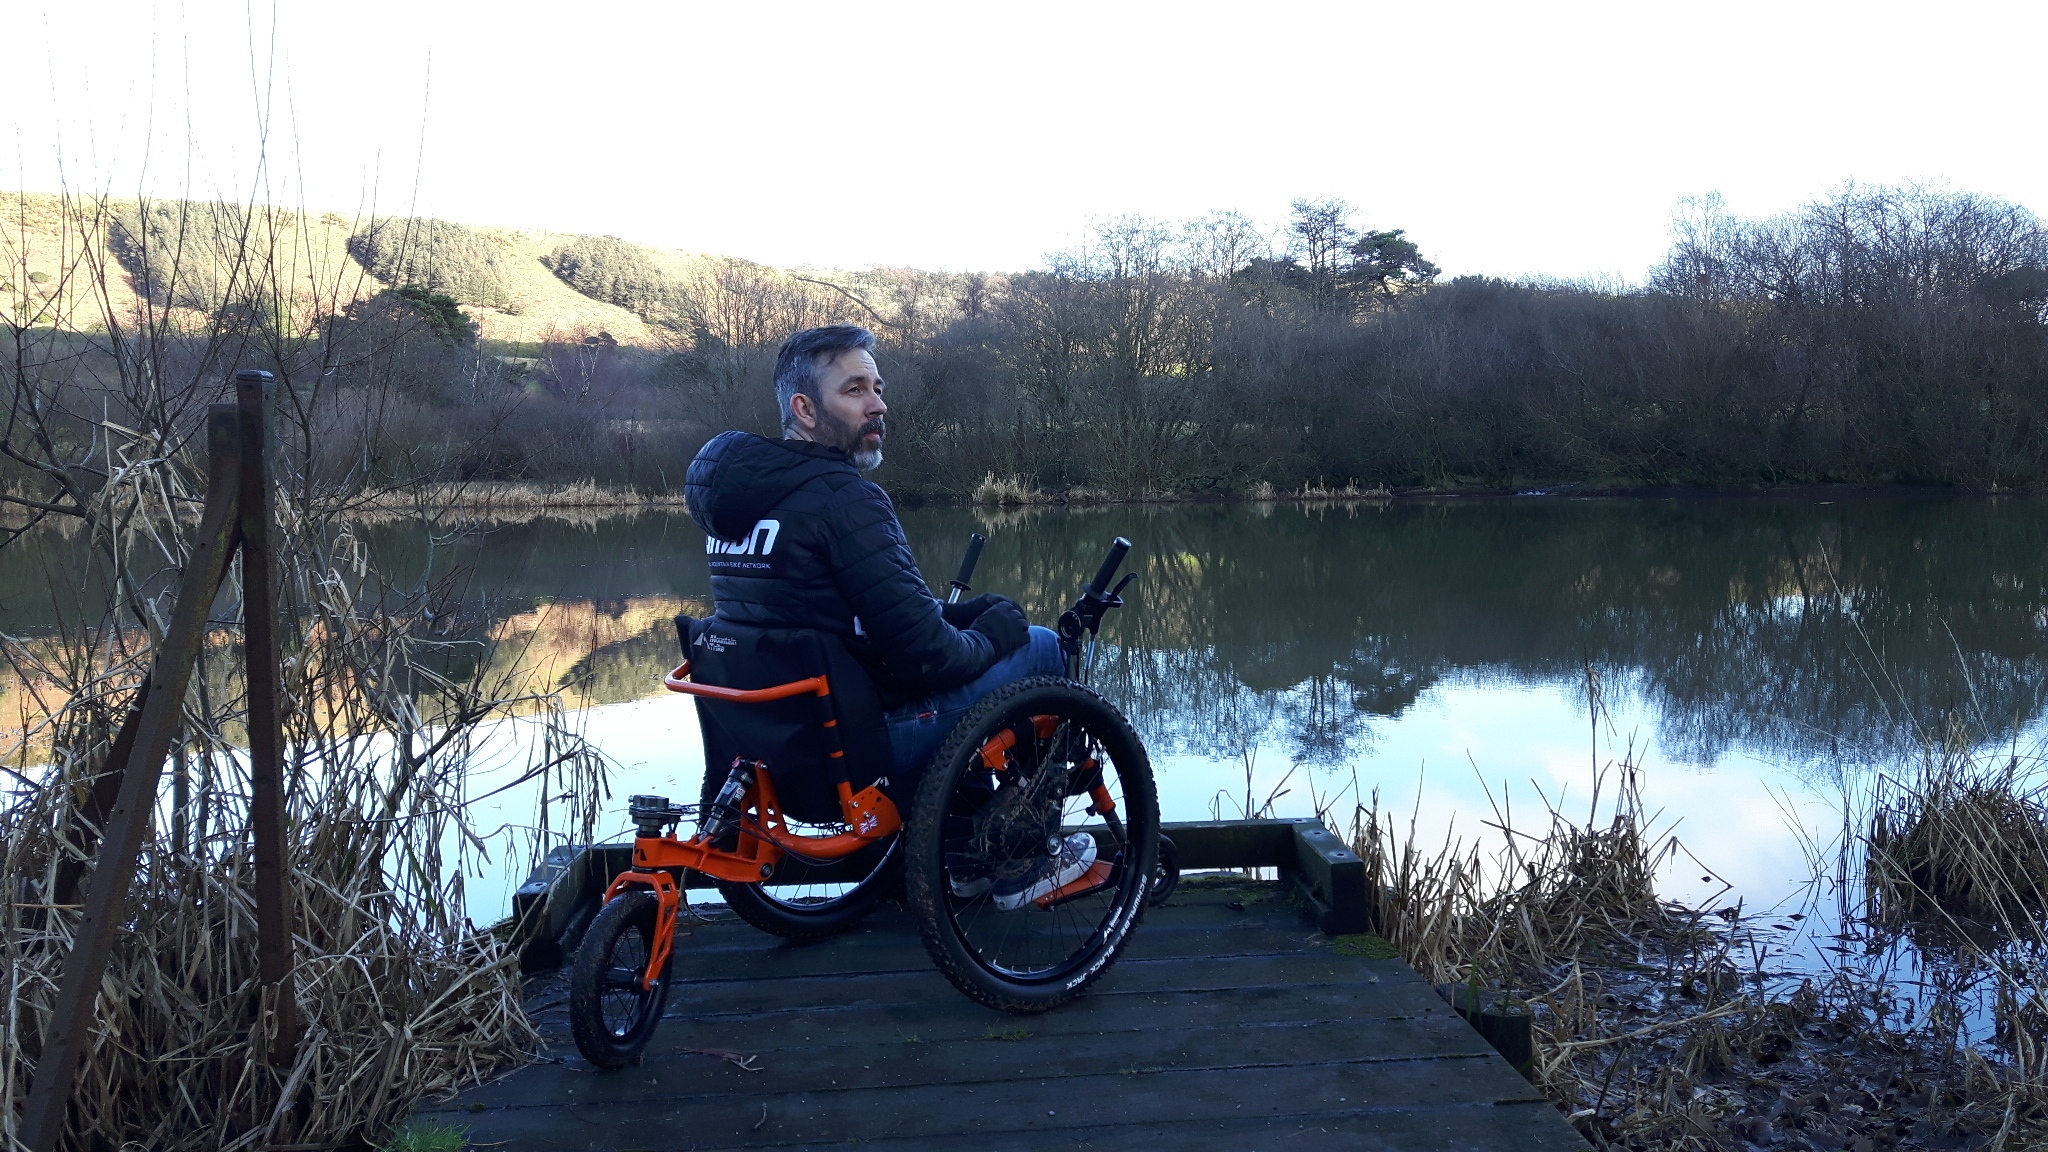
(967, 564)
(1110, 564)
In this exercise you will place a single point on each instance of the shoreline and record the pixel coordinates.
(502, 501)
(586, 496)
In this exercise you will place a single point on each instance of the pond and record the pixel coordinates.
(1471, 662)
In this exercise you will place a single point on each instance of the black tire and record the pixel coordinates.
(971, 824)
(610, 1015)
(798, 905)
(1165, 874)
(799, 902)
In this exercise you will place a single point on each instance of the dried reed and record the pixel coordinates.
(1654, 1033)
(400, 995)
(1961, 837)
(1350, 491)
(507, 496)
(1006, 491)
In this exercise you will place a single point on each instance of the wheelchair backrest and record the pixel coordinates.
(790, 736)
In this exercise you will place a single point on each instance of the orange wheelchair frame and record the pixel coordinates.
(764, 837)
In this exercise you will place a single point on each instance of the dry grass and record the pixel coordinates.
(1961, 838)
(402, 997)
(502, 499)
(1009, 491)
(1350, 491)
(1657, 1026)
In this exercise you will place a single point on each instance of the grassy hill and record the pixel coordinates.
(518, 286)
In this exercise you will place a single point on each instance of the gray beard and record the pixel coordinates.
(841, 435)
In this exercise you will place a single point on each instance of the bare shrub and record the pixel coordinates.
(384, 709)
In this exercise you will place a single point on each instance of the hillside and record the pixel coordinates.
(507, 280)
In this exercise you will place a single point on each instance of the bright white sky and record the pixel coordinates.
(1508, 138)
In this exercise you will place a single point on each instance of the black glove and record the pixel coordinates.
(963, 614)
(1005, 626)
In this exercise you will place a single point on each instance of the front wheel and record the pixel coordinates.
(611, 1014)
(1033, 844)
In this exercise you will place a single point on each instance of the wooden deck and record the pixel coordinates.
(1230, 1023)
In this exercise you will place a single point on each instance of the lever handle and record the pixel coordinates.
(962, 582)
(1110, 564)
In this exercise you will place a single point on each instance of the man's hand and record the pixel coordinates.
(966, 612)
(1005, 625)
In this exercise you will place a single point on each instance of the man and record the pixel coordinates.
(799, 539)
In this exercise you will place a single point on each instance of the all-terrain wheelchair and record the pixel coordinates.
(1031, 848)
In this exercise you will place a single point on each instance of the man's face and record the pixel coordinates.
(849, 411)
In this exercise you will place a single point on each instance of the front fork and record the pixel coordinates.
(669, 902)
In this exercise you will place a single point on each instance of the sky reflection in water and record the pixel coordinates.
(1754, 654)
(1758, 659)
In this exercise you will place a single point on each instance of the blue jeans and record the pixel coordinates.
(916, 730)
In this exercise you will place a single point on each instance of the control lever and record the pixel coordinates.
(962, 582)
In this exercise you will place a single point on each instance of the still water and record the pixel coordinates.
(1472, 663)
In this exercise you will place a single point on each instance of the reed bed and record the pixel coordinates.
(1961, 838)
(1660, 1026)
(401, 996)
(499, 497)
(1010, 491)
(385, 719)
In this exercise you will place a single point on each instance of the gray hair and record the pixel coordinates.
(796, 366)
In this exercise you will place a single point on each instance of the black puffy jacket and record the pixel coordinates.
(800, 540)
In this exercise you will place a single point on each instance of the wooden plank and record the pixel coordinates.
(1439, 1093)
(1177, 974)
(261, 662)
(1109, 1010)
(1530, 1126)
(779, 1026)
(1008, 1048)
(114, 867)
(894, 952)
(1242, 1050)
(1332, 877)
(1205, 844)
(712, 951)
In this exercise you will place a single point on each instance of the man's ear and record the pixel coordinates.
(804, 410)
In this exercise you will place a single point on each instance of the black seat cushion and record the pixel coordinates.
(787, 735)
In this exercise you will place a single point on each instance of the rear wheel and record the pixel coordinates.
(611, 1014)
(812, 901)
(809, 902)
(1025, 884)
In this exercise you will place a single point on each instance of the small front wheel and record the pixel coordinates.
(612, 1010)
(1033, 845)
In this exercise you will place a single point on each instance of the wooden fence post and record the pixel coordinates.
(266, 760)
(162, 712)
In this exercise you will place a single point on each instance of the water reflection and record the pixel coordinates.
(1798, 631)
(1769, 640)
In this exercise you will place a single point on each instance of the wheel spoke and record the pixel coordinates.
(1016, 829)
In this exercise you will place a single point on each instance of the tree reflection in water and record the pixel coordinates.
(1805, 631)
(1802, 631)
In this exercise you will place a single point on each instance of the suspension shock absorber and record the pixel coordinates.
(720, 822)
